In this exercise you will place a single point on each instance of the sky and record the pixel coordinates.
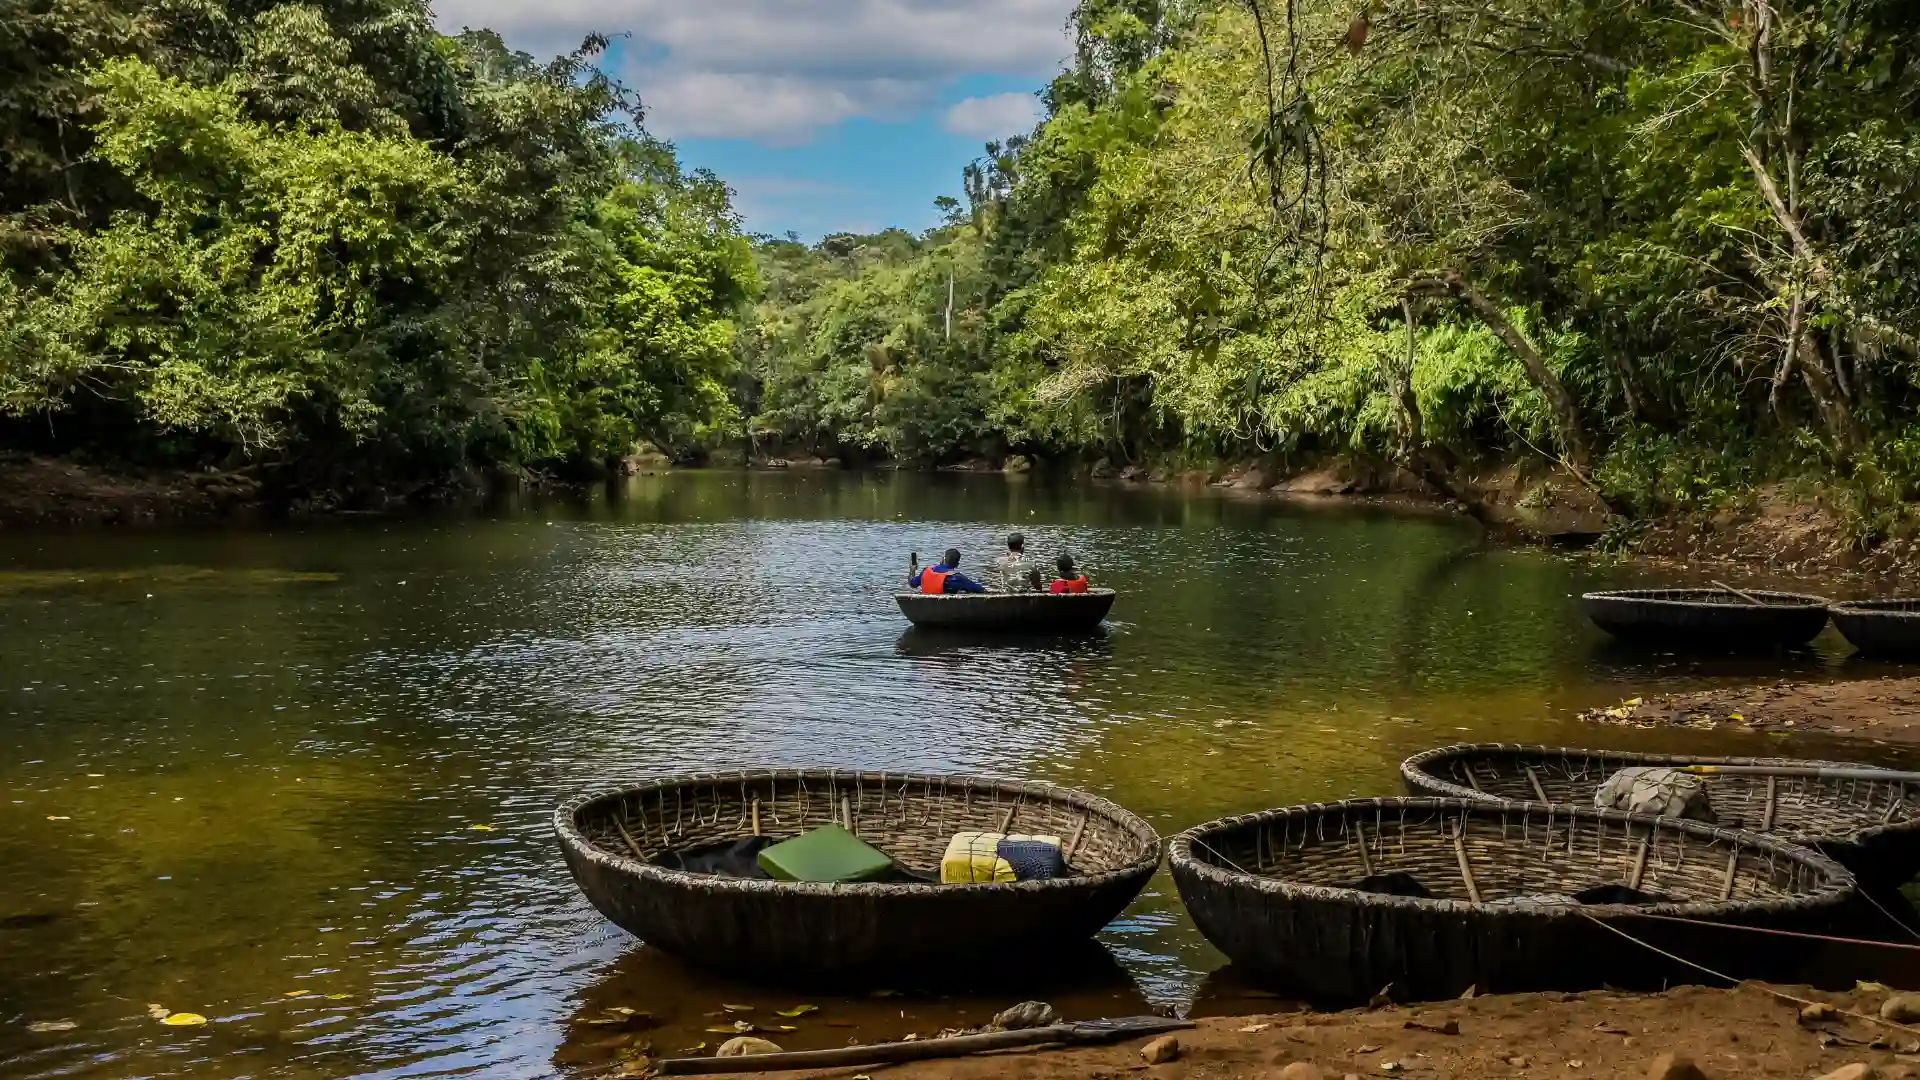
(823, 115)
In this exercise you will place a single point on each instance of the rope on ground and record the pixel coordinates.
(1781, 994)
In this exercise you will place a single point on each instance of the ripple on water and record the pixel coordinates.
(254, 794)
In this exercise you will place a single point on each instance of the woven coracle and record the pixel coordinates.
(1008, 611)
(1872, 827)
(1272, 891)
(1889, 628)
(1708, 618)
(611, 840)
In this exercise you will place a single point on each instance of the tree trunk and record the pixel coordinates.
(1432, 464)
(1566, 415)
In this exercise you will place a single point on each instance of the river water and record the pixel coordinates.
(299, 780)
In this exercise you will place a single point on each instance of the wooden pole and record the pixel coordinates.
(1748, 597)
(1773, 796)
(628, 837)
(1466, 870)
(1532, 778)
(1885, 775)
(1366, 860)
(1640, 862)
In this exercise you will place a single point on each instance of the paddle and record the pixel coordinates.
(1747, 596)
(1084, 1033)
(1802, 770)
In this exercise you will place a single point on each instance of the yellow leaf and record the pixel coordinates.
(1735, 716)
(783, 1027)
(184, 1020)
(693, 1049)
(58, 817)
(338, 997)
(722, 1030)
(480, 828)
(1631, 701)
(737, 1008)
(797, 1010)
(296, 993)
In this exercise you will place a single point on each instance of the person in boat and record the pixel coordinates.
(1014, 571)
(1069, 580)
(944, 577)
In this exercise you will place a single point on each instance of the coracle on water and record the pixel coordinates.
(614, 840)
(1432, 896)
(1708, 619)
(1052, 612)
(1885, 628)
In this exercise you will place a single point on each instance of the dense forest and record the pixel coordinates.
(329, 244)
(1670, 248)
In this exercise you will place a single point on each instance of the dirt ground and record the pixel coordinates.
(45, 491)
(1743, 1032)
(1883, 710)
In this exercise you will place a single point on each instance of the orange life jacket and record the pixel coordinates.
(933, 581)
(1070, 585)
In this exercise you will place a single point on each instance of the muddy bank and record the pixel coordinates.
(47, 491)
(1885, 710)
(1743, 1032)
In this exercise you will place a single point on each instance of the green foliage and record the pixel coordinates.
(333, 239)
(1672, 249)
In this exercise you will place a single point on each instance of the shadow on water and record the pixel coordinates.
(1083, 645)
(650, 999)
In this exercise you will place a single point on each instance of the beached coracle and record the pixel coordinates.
(1872, 827)
(1277, 892)
(1708, 619)
(1884, 628)
(612, 841)
(1054, 612)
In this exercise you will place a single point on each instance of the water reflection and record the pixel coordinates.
(304, 786)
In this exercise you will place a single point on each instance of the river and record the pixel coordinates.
(299, 779)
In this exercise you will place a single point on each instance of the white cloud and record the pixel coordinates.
(993, 117)
(779, 69)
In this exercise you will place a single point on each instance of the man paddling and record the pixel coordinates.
(1017, 572)
(944, 577)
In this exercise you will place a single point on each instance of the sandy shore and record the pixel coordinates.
(1884, 710)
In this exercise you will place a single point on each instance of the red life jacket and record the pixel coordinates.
(933, 581)
(1069, 585)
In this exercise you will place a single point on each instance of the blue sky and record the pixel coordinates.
(824, 115)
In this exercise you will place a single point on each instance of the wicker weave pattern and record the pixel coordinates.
(1870, 826)
(1708, 618)
(1008, 611)
(1267, 890)
(1889, 628)
(793, 927)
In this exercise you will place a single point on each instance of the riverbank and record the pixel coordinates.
(1884, 710)
(1747, 1031)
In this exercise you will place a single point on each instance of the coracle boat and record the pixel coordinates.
(1872, 827)
(1888, 628)
(613, 842)
(1708, 618)
(1432, 896)
(1049, 612)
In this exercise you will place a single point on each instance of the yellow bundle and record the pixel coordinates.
(973, 858)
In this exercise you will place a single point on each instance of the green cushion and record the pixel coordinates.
(829, 853)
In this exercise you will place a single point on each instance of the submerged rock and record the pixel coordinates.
(743, 1045)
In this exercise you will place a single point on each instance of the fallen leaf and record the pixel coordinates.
(1255, 1028)
(480, 828)
(58, 817)
(797, 1010)
(1390, 1066)
(184, 1020)
(721, 1030)
(43, 1027)
(296, 993)
(1367, 1048)
(1735, 716)
(744, 1027)
(1576, 1063)
(338, 997)
(738, 1008)
(782, 1027)
(693, 1049)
